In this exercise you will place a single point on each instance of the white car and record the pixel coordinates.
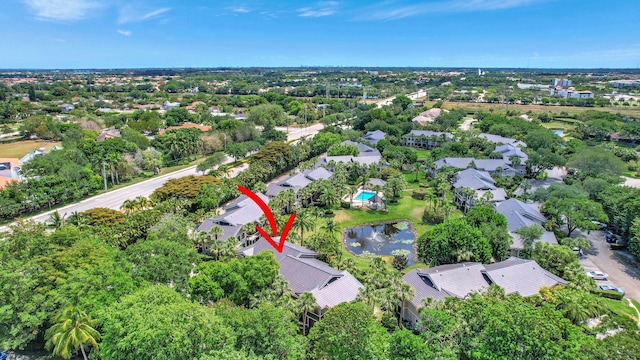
(597, 275)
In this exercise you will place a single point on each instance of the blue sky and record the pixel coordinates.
(439, 33)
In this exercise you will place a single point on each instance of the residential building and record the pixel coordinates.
(498, 167)
(374, 136)
(298, 181)
(367, 156)
(66, 107)
(29, 156)
(562, 82)
(571, 93)
(240, 212)
(519, 215)
(509, 151)
(427, 116)
(478, 181)
(497, 139)
(187, 125)
(9, 171)
(425, 139)
(624, 83)
(305, 273)
(514, 275)
(108, 134)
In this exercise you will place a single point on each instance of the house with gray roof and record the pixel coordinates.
(508, 152)
(519, 215)
(367, 156)
(515, 276)
(498, 167)
(374, 136)
(298, 181)
(238, 213)
(475, 180)
(425, 139)
(305, 273)
(502, 140)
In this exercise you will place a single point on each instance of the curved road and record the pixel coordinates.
(114, 199)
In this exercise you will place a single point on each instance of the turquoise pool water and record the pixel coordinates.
(365, 195)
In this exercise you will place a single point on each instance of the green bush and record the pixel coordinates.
(610, 294)
(419, 194)
(432, 216)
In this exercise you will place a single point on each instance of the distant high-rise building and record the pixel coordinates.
(562, 82)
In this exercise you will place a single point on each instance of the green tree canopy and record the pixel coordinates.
(452, 242)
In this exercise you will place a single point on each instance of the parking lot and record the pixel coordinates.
(601, 258)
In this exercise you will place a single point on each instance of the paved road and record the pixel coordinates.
(631, 182)
(114, 199)
(601, 258)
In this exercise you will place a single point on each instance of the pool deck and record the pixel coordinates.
(364, 203)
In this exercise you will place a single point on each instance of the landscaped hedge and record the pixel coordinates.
(419, 194)
(610, 294)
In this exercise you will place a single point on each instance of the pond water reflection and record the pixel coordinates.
(382, 239)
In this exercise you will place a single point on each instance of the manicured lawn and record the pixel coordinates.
(625, 110)
(22, 148)
(622, 308)
(422, 153)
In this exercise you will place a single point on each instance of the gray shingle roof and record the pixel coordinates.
(317, 174)
(524, 277)
(519, 214)
(515, 275)
(428, 133)
(364, 149)
(241, 211)
(499, 194)
(376, 181)
(474, 179)
(305, 273)
(491, 164)
(375, 135)
(501, 139)
(509, 150)
(298, 181)
(458, 163)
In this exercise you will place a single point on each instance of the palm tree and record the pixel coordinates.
(71, 331)
(403, 292)
(367, 294)
(56, 220)
(347, 264)
(416, 167)
(215, 233)
(302, 222)
(331, 227)
(306, 303)
(330, 197)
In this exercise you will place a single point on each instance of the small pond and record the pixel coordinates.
(558, 132)
(395, 238)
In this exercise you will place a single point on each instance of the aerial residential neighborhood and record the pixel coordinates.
(344, 180)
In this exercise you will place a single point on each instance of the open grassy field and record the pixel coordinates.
(624, 110)
(22, 148)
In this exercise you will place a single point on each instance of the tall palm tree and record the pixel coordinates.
(331, 227)
(306, 303)
(215, 233)
(416, 167)
(403, 292)
(303, 222)
(367, 294)
(71, 331)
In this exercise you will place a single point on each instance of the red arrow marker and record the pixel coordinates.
(272, 220)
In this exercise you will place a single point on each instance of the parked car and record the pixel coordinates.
(612, 288)
(602, 226)
(3, 355)
(597, 275)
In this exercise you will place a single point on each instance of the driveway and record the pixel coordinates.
(466, 124)
(600, 257)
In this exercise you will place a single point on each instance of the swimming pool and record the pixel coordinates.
(365, 195)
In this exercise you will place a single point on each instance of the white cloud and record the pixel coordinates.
(128, 14)
(325, 8)
(451, 6)
(63, 10)
(124, 32)
(240, 9)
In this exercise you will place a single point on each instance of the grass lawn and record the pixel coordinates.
(626, 110)
(422, 153)
(622, 308)
(21, 148)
